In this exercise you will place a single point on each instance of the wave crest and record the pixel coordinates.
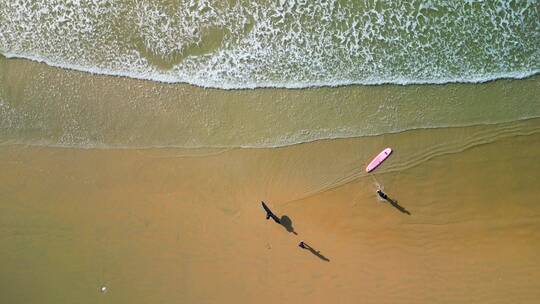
(291, 44)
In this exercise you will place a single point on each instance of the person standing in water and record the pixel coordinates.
(382, 195)
(269, 213)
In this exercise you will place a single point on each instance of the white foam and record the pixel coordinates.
(291, 44)
(155, 76)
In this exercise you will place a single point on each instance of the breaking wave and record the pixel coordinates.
(292, 44)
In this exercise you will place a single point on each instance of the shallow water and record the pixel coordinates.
(51, 106)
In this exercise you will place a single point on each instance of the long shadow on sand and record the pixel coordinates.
(397, 206)
(315, 252)
(286, 222)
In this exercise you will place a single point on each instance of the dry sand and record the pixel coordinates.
(186, 226)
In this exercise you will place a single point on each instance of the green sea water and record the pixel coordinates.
(53, 106)
(360, 68)
(293, 43)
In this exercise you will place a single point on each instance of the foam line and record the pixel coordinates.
(285, 44)
(152, 76)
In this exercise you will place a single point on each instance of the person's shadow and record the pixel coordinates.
(286, 222)
(315, 252)
(396, 205)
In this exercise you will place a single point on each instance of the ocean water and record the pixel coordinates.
(440, 49)
(42, 105)
(293, 44)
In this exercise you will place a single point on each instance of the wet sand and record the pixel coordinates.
(186, 225)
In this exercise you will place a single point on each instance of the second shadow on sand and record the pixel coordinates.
(313, 251)
(286, 222)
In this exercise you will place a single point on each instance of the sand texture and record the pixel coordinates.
(186, 225)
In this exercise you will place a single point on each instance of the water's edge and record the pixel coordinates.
(276, 85)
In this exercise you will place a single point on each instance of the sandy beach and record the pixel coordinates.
(186, 225)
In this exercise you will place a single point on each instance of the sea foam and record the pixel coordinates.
(290, 44)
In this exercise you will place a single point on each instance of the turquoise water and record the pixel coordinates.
(246, 44)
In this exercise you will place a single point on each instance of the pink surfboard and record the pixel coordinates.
(378, 159)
